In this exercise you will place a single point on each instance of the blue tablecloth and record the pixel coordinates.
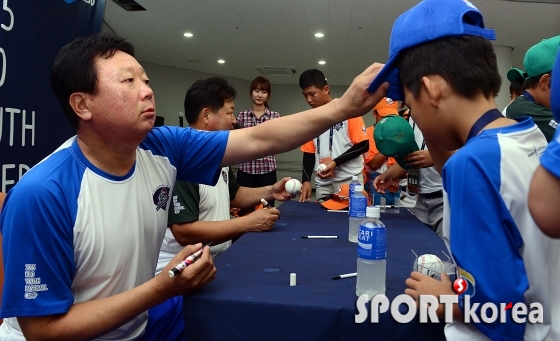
(251, 299)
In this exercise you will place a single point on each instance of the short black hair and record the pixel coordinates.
(209, 93)
(467, 63)
(533, 82)
(312, 77)
(74, 67)
(516, 87)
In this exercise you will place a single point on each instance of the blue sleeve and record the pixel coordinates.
(550, 159)
(37, 245)
(196, 154)
(484, 239)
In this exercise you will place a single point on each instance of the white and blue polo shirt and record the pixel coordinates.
(73, 233)
(501, 253)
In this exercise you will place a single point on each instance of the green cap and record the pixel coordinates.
(539, 59)
(515, 74)
(394, 137)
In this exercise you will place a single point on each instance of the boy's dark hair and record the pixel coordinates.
(533, 82)
(312, 77)
(74, 67)
(467, 63)
(516, 87)
(211, 93)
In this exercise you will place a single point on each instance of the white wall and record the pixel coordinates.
(171, 84)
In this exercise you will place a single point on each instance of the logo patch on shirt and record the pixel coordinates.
(225, 176)
(161, 197)
(471, 283)
(338, 126)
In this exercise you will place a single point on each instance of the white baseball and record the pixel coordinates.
(321, 168)
(293, 186)
(429, 265)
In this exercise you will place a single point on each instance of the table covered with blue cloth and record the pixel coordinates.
(251, 297)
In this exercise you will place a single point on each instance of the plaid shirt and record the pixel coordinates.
(266, 164)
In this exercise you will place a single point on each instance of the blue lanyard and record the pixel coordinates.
(330, 142)
(483, 121)
(528, 96)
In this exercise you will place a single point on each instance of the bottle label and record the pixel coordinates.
(351, 190)
(372, 242)
(358, 207)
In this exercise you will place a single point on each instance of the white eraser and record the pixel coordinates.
(292, 279)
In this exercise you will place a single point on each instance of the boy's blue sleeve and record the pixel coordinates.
(550, 160)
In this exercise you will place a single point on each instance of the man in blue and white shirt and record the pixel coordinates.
(82, 229)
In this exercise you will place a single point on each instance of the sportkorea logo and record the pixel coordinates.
(225, 176)
(161, 197)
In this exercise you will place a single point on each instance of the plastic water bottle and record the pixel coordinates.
(358, 204)
(351, 189)
(372, 250)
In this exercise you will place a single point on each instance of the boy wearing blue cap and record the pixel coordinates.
(535, 98)
(442, 64)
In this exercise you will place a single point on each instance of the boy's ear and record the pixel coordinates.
(544, 82)
(432, 86)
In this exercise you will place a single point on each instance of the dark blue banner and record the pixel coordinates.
(32, 124)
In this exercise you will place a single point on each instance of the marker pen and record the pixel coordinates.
(320, 237)
(186, 262)
(353, 274)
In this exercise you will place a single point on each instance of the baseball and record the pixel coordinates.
(293, 186)
(321, 168)
(429, 265)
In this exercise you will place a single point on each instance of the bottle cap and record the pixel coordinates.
(358, 188)
(354, 178)
(373, 212)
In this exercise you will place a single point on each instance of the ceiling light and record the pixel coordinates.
(221, 61)
(188, 34)
(322, 62)
(319, 35)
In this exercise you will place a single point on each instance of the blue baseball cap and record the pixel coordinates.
(427, 21)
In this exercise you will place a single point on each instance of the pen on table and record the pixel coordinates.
(267, 205)
(320, 237)
(353, 274)
(187, 261)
